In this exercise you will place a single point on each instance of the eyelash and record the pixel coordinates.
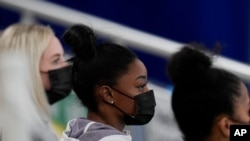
(142, 86)
(56, 61)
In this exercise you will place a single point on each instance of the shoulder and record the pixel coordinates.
(117, 138)
(84, 129)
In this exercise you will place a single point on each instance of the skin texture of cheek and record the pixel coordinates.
(127, 105)
(241, 113)
(242, 105)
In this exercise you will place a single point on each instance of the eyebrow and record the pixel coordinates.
(56, 55)
(141, 77)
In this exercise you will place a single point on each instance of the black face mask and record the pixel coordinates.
(145, 108)
(61, 86)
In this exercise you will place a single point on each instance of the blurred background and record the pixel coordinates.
(177, 21)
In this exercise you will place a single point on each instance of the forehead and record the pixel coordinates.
(53, 48)
(244, 95)
(242, 102)
(135, 70)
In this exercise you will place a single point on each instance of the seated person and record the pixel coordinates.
(111, 81)
(205, 100)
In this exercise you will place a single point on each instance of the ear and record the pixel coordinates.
(224, 123)
(105, 94)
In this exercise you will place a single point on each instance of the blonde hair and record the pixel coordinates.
(31, 40)
(16, 98)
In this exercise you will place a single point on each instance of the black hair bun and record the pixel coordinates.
(82, 40)
(188, 65)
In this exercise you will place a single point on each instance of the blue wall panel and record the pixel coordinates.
(205, 21)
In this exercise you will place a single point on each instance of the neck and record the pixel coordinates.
(106, 117)
(216, 137)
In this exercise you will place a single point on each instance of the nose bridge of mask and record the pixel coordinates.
(66, 68)
(65, 71)
(145, 100)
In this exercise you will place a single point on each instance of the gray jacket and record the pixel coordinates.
(82, 129)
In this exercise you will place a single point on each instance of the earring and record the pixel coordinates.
(111, 102)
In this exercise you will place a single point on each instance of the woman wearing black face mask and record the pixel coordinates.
(39, 44)
(112, 83)
(50, 73)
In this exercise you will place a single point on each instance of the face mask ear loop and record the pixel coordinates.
(122, 110)
(122, 93)
(117, 106)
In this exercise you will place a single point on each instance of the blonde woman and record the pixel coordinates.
(43, 48)
(49, 72)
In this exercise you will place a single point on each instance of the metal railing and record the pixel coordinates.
(120, 33)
